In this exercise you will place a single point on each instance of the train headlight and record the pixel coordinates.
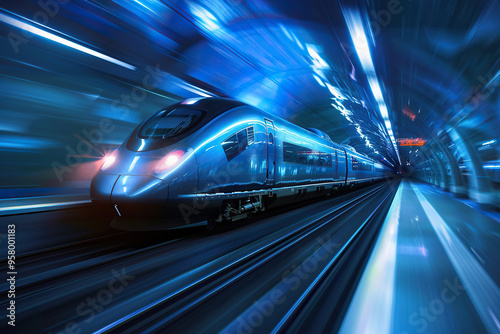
(109, 160)
(170, 160)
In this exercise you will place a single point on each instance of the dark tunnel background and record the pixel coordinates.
(78, 76)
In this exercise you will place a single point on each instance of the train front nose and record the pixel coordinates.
(146, 184)
(142, 195)
(124, 194)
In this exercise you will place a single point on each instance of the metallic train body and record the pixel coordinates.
(220, 159)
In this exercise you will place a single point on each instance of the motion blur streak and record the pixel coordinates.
(482, 290)
(63, 41)
(38, 206)
(372, 304)
(360, 41)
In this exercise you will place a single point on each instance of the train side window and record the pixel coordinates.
(230, 146)
(289, 153)
(312, 157)
(237, 143)
(328, 160)
(355, 165)
(324, 159)
(302, 158)
(363, 165)
(305, 156)
(242, 140)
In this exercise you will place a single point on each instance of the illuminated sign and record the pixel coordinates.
(411, 141)
(408, 112)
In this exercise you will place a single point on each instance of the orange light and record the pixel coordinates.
(169, 161)
(109, 160)
(408, 112)
(411, 141)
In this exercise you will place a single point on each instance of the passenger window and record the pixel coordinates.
(365, 166)
(325, 159)
(230, 146)
(236, 143)
(305, 156)
(311, 158)
(242, 140)
(355, 164)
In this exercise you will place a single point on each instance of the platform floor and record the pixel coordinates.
(434, 269)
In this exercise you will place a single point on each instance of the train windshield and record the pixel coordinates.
(170, 123)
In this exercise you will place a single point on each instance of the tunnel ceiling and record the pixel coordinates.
(296, 59)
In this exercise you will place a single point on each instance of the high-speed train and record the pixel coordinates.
(216, 159)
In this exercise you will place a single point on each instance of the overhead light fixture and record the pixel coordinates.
(318, 62)
(321, 83)
(206, 19)
(335, 92)
(360, 41)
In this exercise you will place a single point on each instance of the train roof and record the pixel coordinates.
(215, 106)
(212, 105)
(320, 134)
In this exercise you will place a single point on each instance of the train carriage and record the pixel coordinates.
(218, 159)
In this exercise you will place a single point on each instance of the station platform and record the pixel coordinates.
(434, 268)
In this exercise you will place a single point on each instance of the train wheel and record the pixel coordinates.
(211, 223)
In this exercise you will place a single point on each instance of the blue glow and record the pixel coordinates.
(194, 89)
(205, 17)
(142, 4)
(190, 152)
(39, 206)
(372, 304)
(358, 36)
(24, 143)
(335, 92)
(37, 31)
(152, 185)
(143, 142)
(191, 101)
(321, 83)
(132, 165)
(481, 289)
(318, 62)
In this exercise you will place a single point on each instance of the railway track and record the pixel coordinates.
(206, 276)
(77, 256)
(165, 311)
